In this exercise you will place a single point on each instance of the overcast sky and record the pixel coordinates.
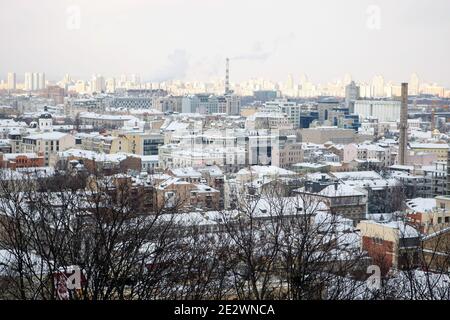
(189, 39)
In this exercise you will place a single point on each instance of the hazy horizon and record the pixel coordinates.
(189, 40)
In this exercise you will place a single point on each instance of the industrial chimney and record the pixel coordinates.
(403, 141)
(227, 77)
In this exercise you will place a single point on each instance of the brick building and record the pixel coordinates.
(390, 245)
(21, 160)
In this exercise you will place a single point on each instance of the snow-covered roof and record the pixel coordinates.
(212, 170)
(186, 172)
(92, 115)
(261, 208)
(370, 160)
(150, 158)
(437, 233)
(309, 165)
(401, 167)
(371, 147)
(340, 190)
(203, 188)
(420, 134)
(421, 204)
(414, 145)
(26, 173)
(92, 155)
(374, 184)
(55, 135)
(357, 175)
(316, 176)
(13, 156)
(335, 190)
(265, 170)
(171, 181)
(176, 125)
(405, 230)
(146, 111)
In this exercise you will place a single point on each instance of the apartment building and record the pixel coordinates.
(47, 143)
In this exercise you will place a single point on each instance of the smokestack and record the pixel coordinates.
(403, 141)
(433, 120)
(227, 77)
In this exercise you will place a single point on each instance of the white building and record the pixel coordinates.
(48, 143)
(11, 81)
(291, 109)
(383, 110)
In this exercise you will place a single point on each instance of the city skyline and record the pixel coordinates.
(378, 87)
(273, 41)
(294, 79)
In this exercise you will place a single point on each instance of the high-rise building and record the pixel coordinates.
(81, 86)
(98, 84)
(135, 80)
(66, 82)
(290, 109)
(414, 85)
(67, 78)
(290, 82)
(56, 93)
(378, 87)
(351, 95)
(233, 103)
(111, 85)
(347, 79)
(28, 81)
(38, 81)
(11, 81)
(35, 81)
(41, 81)
(211, 104)
(303, 79)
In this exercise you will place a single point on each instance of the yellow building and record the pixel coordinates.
(439, 149)
(121, 143)
(141, 143)
(429, 215)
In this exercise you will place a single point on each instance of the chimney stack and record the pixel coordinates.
(403, 140)
(227, 77)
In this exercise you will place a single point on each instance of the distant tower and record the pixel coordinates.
(351, 95)
(45, 121)
(433, 119)
(11, 81)
(227, 77)
(403, 141)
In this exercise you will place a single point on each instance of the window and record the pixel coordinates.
(377, 241)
